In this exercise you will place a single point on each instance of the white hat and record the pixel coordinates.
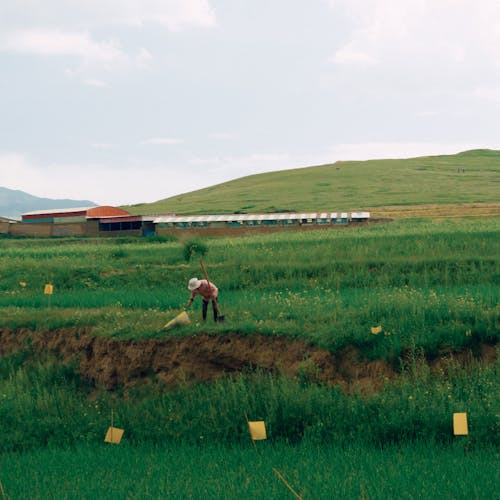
(194, 283)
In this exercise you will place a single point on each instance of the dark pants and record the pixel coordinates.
(205, 307)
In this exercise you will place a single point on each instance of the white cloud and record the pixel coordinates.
(103, 145)
(426, 114)
(489, 93)
(16, 170)
(455, 31)
(73, 15)
(94, 57)
(162, 141)
(62, 28)
(60, 43)
(93, 82)
(221, 135)
(347, 55)
(172, 14)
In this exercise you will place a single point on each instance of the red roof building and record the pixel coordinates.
(83, 213)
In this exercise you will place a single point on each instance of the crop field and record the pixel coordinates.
(418, 470)
(354, 345)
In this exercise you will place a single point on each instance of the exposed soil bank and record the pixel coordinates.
(173, 361)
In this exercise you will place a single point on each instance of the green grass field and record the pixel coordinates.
(468, 177)
(421, 470)
(433, 286)
(427, 284)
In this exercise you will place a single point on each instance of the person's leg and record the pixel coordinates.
(215, 308)
(204, 309)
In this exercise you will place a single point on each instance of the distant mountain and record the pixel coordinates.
(13, 203)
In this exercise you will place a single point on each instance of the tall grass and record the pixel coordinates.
(46, 404)
(429, 318)
(419, 470)
(429, 285)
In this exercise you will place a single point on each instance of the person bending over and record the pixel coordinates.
(208, 292)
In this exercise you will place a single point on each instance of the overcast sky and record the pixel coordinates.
(128, 101)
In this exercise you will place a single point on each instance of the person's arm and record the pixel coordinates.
(193, 295)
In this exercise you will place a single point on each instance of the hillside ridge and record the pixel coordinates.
(465, 177)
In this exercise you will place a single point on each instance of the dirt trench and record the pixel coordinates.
(174, 361)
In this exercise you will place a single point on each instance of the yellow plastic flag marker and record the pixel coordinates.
(114, 435)
(257, 430)
(460, 427)
(181, 319)
(376, 329)
(48, 290)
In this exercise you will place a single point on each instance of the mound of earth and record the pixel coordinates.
(174, 361)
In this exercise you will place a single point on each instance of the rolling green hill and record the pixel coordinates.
(468, 177)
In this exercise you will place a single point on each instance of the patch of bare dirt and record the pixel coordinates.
(172, 361)
(485, 352)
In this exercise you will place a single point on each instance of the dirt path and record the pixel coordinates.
(202, 358)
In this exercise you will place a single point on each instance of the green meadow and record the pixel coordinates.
(420, 297)
(419, 470)
(433, 287)
(468, 177)
(428, 284)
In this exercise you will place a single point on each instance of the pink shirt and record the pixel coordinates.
(206, 290)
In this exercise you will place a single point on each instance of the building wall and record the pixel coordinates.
(123, 232)
(70, 229)
(242, 230)
(46, 229)
(27, 229)
(92, 228)
(67, 220)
